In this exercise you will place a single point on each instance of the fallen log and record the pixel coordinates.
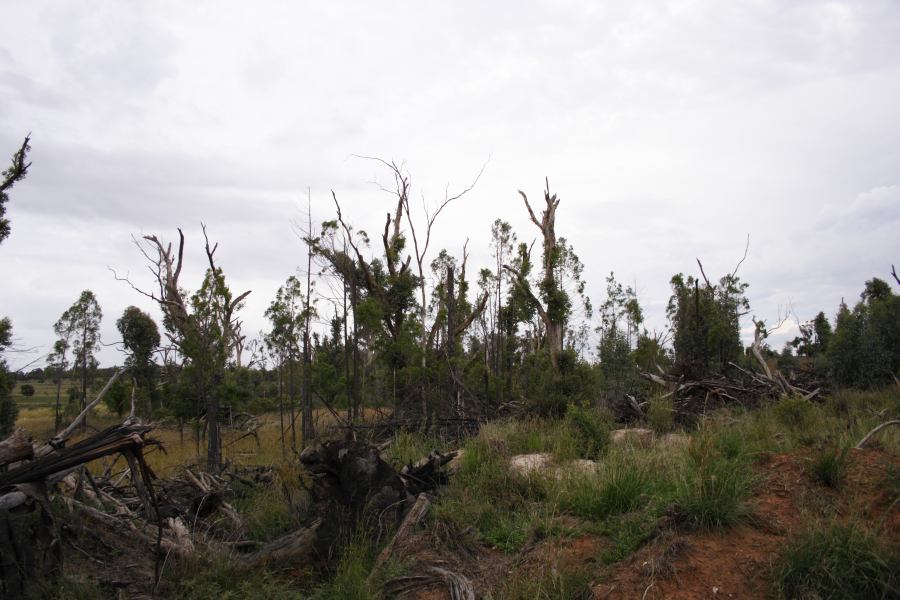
(294, 548)
(869, 435)
(412, 518)
(16, 447)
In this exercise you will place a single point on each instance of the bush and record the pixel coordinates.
(590, 428)
(794, 411)
(661, 414)
(829, 466)
(27, 390)
(837, 562)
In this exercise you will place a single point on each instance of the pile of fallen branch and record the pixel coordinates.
(739, 385)
(122, 505)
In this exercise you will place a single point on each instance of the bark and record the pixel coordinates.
(295, 548)
(16, 447)
(553, 324)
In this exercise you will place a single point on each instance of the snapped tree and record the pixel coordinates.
(202, 326)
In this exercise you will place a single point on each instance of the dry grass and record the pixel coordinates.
(181, 447)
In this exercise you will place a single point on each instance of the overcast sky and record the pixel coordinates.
(670, 130)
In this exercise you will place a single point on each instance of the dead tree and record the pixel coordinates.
(208, 339)
(553, 310)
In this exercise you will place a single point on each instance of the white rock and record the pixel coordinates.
(631, 437)
(529, 464)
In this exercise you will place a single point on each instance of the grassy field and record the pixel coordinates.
(180, 446)
(764, 503)
(44, 393)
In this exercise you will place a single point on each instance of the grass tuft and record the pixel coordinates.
(661, 414)
(619, 489)
(715, 483)
(837, 562)
(829, 466)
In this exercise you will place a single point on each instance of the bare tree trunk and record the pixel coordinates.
(357, 384)
(83, 377)
(308, 426)
(553, 324)
(58, 421)
(292, 397)
(214, 447)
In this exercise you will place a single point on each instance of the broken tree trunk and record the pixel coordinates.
(294, 548)
(16, 447)
(413, 517)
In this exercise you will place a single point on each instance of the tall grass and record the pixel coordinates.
(837, 561)
(620, 487)
(716, 481)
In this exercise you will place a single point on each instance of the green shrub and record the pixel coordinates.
(661, 414)
(829, 466)
(590, 428)
(837, 562)
(794, 411)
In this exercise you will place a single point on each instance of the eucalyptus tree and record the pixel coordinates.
(12, 175)
(140, 336)
(58, 360)
(287, 317)
(560, 277)
(15, 173)
(203, 325)
(81, 324)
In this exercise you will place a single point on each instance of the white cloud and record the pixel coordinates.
(670, 131)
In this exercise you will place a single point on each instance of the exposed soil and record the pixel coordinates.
(736, 563)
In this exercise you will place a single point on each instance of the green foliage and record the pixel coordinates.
(407, 447)
(140, 336)
(350, 578)
(266, 512)
(549, 392)
(9, 411)
(837, 562)
(864, 351)
(713, 487)
(503, 508)
(12, 175)
(563, 583)
(66, 587)
(80, 323)
(620, 320)
(590, 429)
(621, 487)
(829, 466)
(705, 321)
(661, 414)
(794, 411)
(221, 580)
(118, 398)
